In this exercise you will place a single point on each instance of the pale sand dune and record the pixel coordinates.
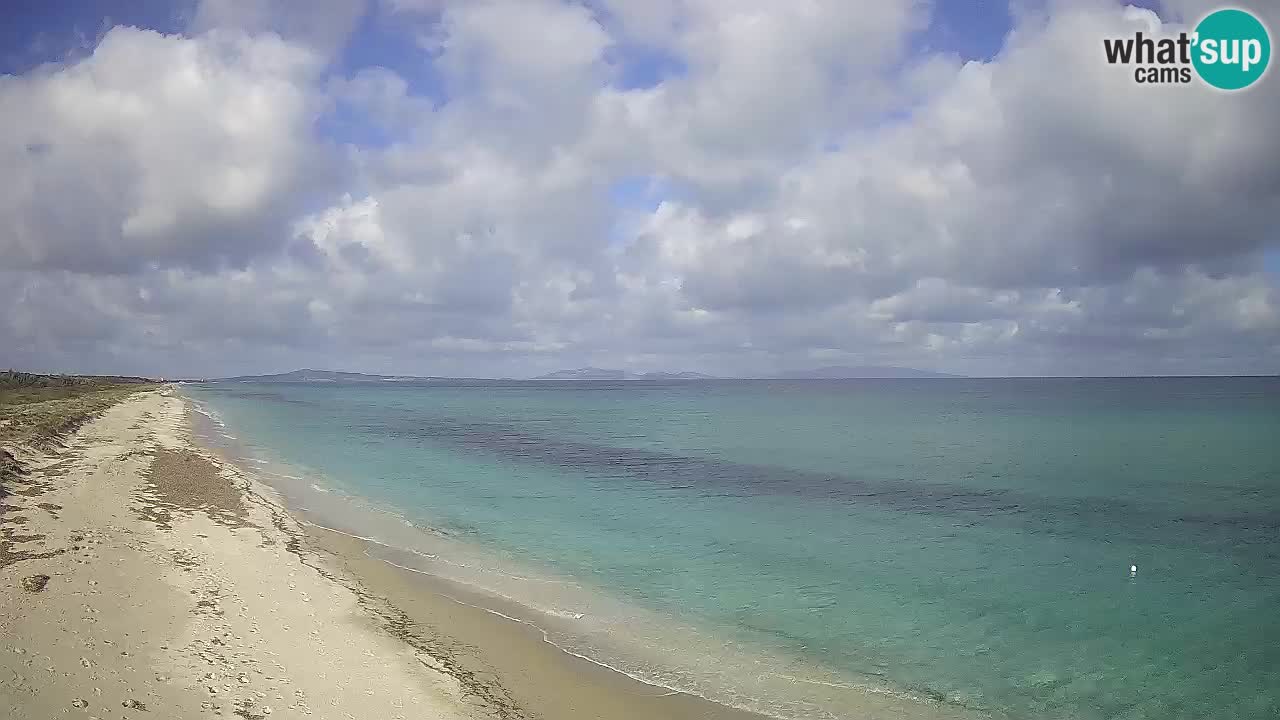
(153, 610)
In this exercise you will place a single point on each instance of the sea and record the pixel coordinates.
(981, 548)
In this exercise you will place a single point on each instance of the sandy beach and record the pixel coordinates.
(141, 576)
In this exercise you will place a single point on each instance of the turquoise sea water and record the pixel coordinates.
(791, 546)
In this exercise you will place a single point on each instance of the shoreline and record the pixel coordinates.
(148, 579)
(496, 647)
(151, 577)
(512, 641)
(179, 583)
(542, 679)
(501, 629)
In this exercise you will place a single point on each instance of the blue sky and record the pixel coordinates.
(1272, 262)
(48, 32)
(38, 31)
(219, 202)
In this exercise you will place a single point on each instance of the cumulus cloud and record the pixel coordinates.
(155, 150)
(788, 184)
(322, 26)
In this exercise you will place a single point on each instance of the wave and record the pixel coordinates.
(208, 412)
(548, 639)
(657, 676)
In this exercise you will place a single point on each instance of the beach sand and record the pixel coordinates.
(173, 592)
(140, 576)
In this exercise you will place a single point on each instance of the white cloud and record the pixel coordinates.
(322, 26)
(819, 192)
(155, 149)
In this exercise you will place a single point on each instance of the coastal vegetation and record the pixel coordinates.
(38, 410)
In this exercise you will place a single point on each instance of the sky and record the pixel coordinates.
(503, 188)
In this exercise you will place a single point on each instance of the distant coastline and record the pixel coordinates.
(837, 372)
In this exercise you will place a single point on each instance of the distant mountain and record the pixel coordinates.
(586, 373)
(308, 375)
(327, 376)
(840, 372)
(592, 373)
(681, 375)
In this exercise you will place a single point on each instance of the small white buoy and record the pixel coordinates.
(1133, 571)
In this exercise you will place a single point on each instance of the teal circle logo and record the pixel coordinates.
(1232, 49)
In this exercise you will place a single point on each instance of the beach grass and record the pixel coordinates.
(37, 411)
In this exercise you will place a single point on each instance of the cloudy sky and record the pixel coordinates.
(510, 187)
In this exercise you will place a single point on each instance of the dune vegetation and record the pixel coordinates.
(37, 410)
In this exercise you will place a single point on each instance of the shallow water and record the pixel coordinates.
(786, 546)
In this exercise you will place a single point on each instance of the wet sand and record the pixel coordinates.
(506, 653)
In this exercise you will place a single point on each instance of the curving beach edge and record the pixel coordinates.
(140, 575)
